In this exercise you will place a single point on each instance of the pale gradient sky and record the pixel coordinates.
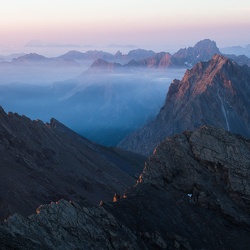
(155, 24)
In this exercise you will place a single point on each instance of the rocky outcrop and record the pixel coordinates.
(41, 163)
(66, 225)
(197, 162)
(214, 92)
(193, 194)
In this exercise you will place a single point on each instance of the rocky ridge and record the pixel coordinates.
(193, 194)
(41, 163)
(214, 93)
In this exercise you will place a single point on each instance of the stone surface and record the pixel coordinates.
(193, 194)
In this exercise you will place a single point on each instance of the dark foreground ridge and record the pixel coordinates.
(214, 93)
(41, 163)
(194, 193)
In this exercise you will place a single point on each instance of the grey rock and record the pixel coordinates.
(193, 194)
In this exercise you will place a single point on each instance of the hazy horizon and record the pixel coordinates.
(157, 25)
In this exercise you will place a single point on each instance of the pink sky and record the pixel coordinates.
(155, 24)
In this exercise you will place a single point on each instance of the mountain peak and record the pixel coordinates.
(206, 43)
(220, 58)
(118, 53)
(202, 51)
(211, 93)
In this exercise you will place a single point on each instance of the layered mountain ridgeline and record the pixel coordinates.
(203, 50)
(237, 50)
(193, 194)
(37, 69)
(73, 58)
(187, 57)
(214, 92)
(118, 57)
(41, 163)
(35, 60)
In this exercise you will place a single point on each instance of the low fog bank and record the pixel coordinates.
(38, 75)
(103, 107)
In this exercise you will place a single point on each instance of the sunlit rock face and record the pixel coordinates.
(214, 93)
(41, 163)
(193, 194)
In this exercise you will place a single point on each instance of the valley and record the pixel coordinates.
(120, 154)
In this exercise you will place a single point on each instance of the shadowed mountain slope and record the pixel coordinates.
(193, 194)
(45, 162)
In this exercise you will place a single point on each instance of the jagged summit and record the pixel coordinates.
(213, 93)
(202, 51)
(205, 74)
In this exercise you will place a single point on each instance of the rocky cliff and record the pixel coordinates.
(193, 194)
(41, 163)
(214, 92)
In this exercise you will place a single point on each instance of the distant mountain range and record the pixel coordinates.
(10, 57)
(35, 60)
(237, 50)
(129, 89)
(185, 57)
(73, 58)
(214, 92)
